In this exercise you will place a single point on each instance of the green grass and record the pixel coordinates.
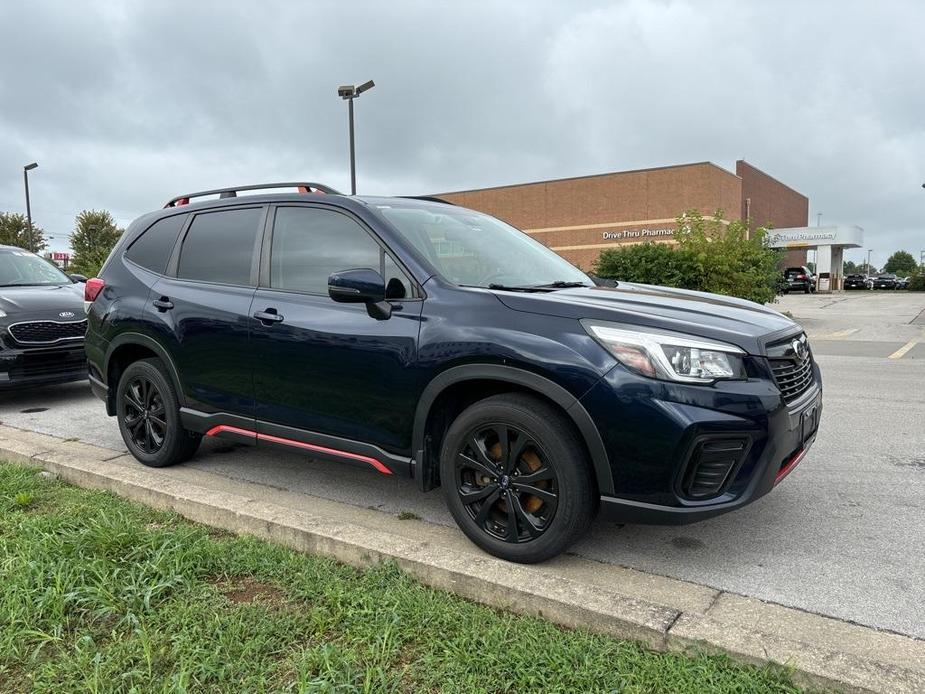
(98, 594)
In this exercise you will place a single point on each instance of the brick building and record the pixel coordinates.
(580, 217)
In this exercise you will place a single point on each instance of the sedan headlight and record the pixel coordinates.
(667, 355)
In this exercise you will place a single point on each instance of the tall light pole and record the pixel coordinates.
(25, 177)
(349, 92)
(818, 219)
(869, 250)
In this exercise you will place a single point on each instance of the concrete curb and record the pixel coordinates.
(821, 652)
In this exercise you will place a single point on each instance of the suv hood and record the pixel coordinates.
(745, 324)
(42, 302)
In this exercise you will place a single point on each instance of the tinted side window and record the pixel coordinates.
(397, 285)
(152, 249)
(309, 244)
(219, 246)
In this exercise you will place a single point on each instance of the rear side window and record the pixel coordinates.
(310, 244)
(219, 246)
(152, 249)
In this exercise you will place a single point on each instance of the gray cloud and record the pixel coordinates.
(125, 105)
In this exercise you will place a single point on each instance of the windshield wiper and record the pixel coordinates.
(521, 288)
(561, 284)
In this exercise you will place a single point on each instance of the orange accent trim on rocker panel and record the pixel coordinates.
(224, 428)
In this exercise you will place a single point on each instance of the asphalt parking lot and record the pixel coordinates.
(842, 536)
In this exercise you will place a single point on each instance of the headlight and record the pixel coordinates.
(667, 355)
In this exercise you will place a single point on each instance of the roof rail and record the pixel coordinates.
(428, 198)
(302, 187)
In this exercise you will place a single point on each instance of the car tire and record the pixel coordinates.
(542, 455)
(149, 416)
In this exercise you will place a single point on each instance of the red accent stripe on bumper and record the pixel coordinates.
(224, 428)
(789, 465)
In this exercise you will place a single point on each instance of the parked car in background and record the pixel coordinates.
(855, 282)
(397, 335)
(885, 281)
(42, 322)
(800, 279)
(902, 282)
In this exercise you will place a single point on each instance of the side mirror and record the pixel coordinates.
(78, 278)
(361, 286)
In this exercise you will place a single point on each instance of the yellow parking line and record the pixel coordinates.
(899, 353)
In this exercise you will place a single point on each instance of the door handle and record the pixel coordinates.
(269, 316)
(163, 304)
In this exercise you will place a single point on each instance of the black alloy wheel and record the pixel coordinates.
(149, 416)
(144, 414)
(506, 483)
(517, 478)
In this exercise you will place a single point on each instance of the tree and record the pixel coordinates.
(900, 263)
(95, 234)
(917, 281)
(709, 256)
(733, 260)
(14, 231)
(851, 268)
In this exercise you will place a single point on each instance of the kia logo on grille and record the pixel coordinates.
(799, 348)
(66, 314)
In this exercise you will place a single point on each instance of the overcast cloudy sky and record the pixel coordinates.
(127, 104)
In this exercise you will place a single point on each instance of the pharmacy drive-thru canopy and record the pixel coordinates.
(829, 242)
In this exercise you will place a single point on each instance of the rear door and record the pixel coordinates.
(327, 367)
(201, 308)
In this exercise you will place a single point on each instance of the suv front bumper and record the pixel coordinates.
(652, 429)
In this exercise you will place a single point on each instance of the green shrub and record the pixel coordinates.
(649, 263)
(917, 282)
(710, 255)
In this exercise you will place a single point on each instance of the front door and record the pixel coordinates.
(326, 367)
(201, 314)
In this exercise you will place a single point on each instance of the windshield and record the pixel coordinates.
(24, 269)
(474, 249)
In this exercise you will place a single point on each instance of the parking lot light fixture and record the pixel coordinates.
(348, 93)
(25, 175)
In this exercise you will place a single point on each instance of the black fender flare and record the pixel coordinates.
(525, 379)
(130, 338)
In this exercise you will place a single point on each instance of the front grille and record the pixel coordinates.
(791, 364)
(792, 377)
(712, 465)
(47, 332)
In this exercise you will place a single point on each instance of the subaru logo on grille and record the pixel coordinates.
(66, 314)
(799, 348)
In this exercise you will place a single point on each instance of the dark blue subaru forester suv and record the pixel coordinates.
(416, 338)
